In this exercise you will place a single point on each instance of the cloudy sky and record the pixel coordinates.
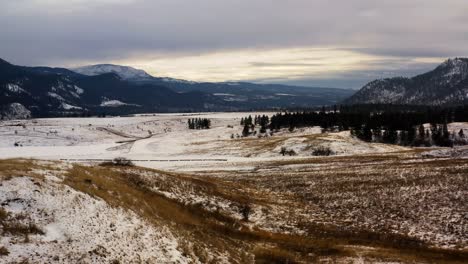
(331, 43)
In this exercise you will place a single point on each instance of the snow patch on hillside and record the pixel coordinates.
(124, 72)
(78, 90)
(114, 103)
(15, 111)
(80, 228)
(70, 107)
(15, 88)
(56, 96)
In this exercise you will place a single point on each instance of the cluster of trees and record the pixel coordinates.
(199, 123)
(388, 124)
(249, 124)
(437, 134)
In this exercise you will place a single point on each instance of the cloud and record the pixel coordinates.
(56, 32)
(300, 65)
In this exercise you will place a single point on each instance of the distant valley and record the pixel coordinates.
(114, 89)
(121, 90)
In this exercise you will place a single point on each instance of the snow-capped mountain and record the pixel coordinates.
(113, 89)
(43, 91)
(125, 72)
(445, 85)
(233, 95)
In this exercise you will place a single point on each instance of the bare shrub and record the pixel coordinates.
(16, 228)
(290, 152)
(3, 215)
(4, 251)
(322, 151)
(245, 210)
(283, 151)
(119, 161)
(273, 255)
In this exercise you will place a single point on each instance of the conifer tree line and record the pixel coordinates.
(199, 123)
(391, 125)
(249, 124)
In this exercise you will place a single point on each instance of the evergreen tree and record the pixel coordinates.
(390, 136)
(421, 133)
(377, 134)
(246, 130)
(411, 136)
(199, 123)
(366, 134)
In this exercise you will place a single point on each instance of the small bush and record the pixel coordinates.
(3, 215)
(274, 256)
(119, 161)
(290, 152)
(322, 151)
(16, 228)
(245, 210)
(283, 151)
(4, 251)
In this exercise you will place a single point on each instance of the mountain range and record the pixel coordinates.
(446, 85)
(114, 89)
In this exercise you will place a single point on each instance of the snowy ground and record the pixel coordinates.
(68, 223)
(166, 137)
(363, 203)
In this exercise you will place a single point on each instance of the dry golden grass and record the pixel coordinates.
(17, 226)
(203, 233)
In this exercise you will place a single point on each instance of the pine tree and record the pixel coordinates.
(404, 138)
(421, 134)
(411, 136)
(366, 134)
(390, 136)
(246, 130)
(377, 134)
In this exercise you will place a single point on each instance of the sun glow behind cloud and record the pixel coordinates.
(268, 64)
(297, 41)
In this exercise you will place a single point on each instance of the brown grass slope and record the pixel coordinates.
(328, 209)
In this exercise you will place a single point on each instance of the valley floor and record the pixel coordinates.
(201, 196)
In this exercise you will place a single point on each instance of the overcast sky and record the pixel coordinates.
(331, 43)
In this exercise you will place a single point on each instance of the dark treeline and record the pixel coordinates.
(249, 124)
(388, 124)
(199, 123)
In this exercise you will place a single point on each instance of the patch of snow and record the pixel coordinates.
(114, 103)
(78, 90)
(15, 111)
(223, 94)
(15, 88)
(284, 94)
(54, 95)
(80, 229)
(173, 80)
(124, 72)
(70, 107)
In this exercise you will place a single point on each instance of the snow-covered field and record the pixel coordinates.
(211, 196)
(69, 222)
(165, 137)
